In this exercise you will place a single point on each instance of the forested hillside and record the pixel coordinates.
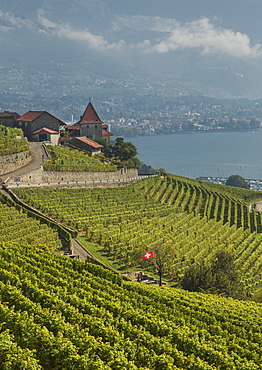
(194, 219)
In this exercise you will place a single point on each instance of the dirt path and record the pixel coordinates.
(38, 157)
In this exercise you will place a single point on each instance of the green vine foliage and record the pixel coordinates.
(58, 313)
(195, 220)
(72, 160)
(17, 226)
(12, 141)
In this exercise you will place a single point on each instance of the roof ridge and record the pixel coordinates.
(90, 115)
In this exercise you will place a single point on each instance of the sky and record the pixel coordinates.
(182, 38)
(200, 29)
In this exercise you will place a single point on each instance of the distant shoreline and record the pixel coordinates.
(189, 133)
(214, 155)
(255, 184)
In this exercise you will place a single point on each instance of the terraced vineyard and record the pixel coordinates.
(16, 226)
(64, 159)
(58, 313)
(12, 141)
(198, 219)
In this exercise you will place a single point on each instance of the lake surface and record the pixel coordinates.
(216, 154)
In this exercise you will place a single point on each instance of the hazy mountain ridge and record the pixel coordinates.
(170, 46)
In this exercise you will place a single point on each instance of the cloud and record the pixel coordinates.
(47, 27)
(67, 32)
(163, 35)
(5, 29)
(15, 22)
(201, 34)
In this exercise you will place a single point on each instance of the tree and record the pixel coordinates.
(254, 123)
(162, 171)
(124, 150)
(198, 278)
(107, 148)
(132, 163)
(219, 277)
(144, 169)
(163, 260)
(226, 278)
(237, 181)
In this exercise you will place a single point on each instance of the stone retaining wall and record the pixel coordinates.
(39, 176)
(12, 162)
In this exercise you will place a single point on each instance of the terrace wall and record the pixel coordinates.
(12, 162)
(39, 176)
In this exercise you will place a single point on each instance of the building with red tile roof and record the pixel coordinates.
(73, 130)
(32, 121)
(106, 135)
(44, 130)
(86, 144)
(90, 115)
(8, 119)
(46, 134)
(43, 126)
(90, 142)
(89, 125)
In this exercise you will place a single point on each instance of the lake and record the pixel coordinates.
(216, 154)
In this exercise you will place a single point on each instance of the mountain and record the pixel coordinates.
(110, 48)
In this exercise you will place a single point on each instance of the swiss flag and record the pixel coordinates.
(148, 255)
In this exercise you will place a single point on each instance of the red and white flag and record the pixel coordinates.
(148, 255)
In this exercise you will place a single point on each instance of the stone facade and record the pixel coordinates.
(12, 162)
(35, 120)
(39, 176)
(8, 119)
(93, 131)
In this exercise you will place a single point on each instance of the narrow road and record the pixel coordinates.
(38, 157)
(80, 250)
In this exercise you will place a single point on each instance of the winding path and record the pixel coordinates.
(39, 156)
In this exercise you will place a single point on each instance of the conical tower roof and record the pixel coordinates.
(90, 115)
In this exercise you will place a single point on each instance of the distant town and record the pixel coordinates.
(254, 184)
(149, 113)
(189, 114)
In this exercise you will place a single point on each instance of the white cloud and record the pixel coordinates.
(5, 29)
(16, 22)
(162, 35)
(47, 27)
(66, 31)
(200, 34)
